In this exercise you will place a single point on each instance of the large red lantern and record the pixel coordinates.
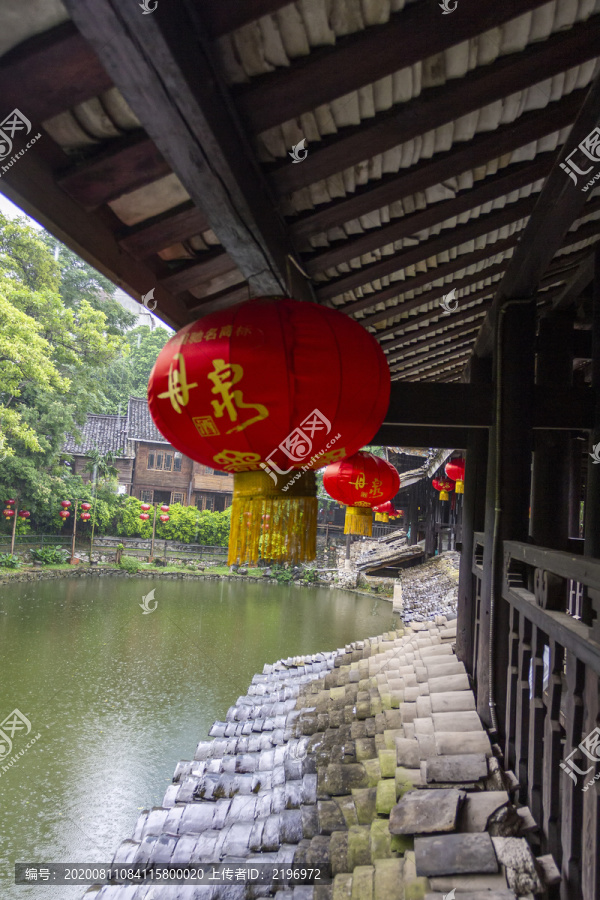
(269, 390)
(455, 469)
(361, 482)
(444, 486)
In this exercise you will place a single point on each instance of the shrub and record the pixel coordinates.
(281, 575)
(131, 565)
(310, 576)
(51, 556)
(10, 561)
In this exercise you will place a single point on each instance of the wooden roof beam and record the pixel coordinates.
(162, 231)
(223, 17)
(462, 353)
(502, 183)
(440, 344)
(531, 126)
(560, 203)
(440, 105)
(165, 72)
(442, 321)
(363, 58)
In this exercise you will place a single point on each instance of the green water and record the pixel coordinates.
(119, 697)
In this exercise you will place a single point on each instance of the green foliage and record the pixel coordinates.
(310, 576)
(130, 565)
(281, 574)
(50, 556)
(9, 561)
(145, 344)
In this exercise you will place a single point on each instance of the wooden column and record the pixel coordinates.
(507, 494)
(413, 514)
(592, 496)
(551, 477)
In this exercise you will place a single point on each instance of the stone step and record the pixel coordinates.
(456, 721)
(455, 854)
(452, 701)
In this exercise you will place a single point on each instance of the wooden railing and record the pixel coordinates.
(551, 734)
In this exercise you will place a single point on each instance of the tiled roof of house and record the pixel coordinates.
(140, 425)
(104, 433)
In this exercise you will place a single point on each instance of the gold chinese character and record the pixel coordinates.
(226, 331)
(196, 337)
(224, 376)
(360, 482)
(211, 334)
(236, 461)
(332, 456)
(205, 425)
(178, 390)
(242, 331)
(375, 488)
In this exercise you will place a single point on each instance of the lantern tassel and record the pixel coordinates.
(269, 524)
(359, 520)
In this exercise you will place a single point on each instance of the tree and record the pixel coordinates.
(101, 466)
(145, 344)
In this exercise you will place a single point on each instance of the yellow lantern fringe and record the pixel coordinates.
(444, 495)
(289, 534)
(378, 517)
(359, 520)
(460, 487)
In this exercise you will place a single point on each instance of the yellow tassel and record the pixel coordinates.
(378, 517)
(460, 487)
(359, 520)
(385, 517)
(444, 495)
(270, 524)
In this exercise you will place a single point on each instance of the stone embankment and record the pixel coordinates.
(369, 763)
(431, 589)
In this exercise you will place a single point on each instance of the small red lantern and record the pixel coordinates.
(144, 517)
(85, 516)
(385, 511)
(86, 506)
(24, 514)
(444, 486)
(65, 504)
(10, 502)
(361, 482)
(455, 469)
(64, 514)
(164, 508)
(8, 513)
(164, 518)
(145, 506)
(238, 391)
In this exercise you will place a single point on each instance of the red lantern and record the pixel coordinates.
(24, 514)
(444, 486)
(65, 504)
(276, 385)
(361, 482)
(455, 469)
(86, 506)
(64, 514)
(385, 511)
(85, 516)
(10, 502)
(164, 519)
(144, 517)
(164, 508)
(145, 506)
(8, 513)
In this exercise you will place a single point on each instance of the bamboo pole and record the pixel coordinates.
(151, 557)
(72, 560)
(14, 528)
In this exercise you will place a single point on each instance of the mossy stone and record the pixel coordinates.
(373, 772)
(387, 763)
(364, 801)
(359, 846)
(362, 883)
(386, 796)
(381, 840)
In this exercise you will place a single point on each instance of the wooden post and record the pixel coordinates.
(72, 560)
(413, 515)
(14, 528)
(592, 495)
(507, 495)
(550, 486)
(151, 557)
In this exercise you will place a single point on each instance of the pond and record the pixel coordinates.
(119, 696)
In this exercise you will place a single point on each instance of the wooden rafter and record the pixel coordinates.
(446, 240)
(159, 232)
(166, 74)
(436, 345)
(440, 105)
(222, 16)
(531, 126)
(459, 357)
(50, 73)
(210, 264)
(365, 57)
(499, 185)
(221, 300)
(441, 322)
